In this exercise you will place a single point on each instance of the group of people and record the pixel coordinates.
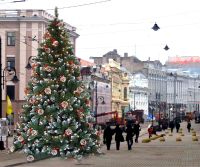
(176, 124)
(173, 124)
(130, 130)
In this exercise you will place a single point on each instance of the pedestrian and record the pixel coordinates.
(164, 124)
(129, 136)
(177, 126)
(107, 136)
(171, 126)
(118, 136)
(2, 144)
(136, 129)
(189, 126)
(150, 130)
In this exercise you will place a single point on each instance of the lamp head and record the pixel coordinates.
(15, 79)
(155, 27)
(28, 66)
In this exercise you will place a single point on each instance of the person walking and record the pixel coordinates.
(171, 126)
(189, 126)
(137, 129)
(107, 136)
(129, 136)
(177, 126)
(150, 130)
(118, 136)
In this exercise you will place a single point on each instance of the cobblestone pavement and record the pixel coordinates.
(154, 154)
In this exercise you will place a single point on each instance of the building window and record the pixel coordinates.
(125, 94)
(10, 62)
(11, 91)
(11, 38)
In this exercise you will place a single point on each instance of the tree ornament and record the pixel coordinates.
(64, 104)
(40, 112)
(47, 68)
(54, 152)
(68, 132)
(47, 90)
(47, 35)
(83, 142)
(34, 133)
(47, 50)
(30, 158)
(52, 99)
(26, 91)
(62, 78)
(20, 138)
(55, 43)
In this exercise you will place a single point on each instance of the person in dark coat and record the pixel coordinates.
(118, 136)
(171, 126)
(177, 126)
(164, 124)
(136, 131)
(189, 126)
(129, 136)
(107, 136)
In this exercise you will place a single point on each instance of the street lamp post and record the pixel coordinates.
(175, 78)
(152, 115)
(174, 106)
(158, 101)
(3, 79)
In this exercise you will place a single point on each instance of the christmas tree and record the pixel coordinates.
(56, 119)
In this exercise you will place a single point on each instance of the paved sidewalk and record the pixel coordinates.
(154, 154)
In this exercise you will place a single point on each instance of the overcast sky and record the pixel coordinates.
(126, 25)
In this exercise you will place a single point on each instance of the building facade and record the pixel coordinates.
(119, 89)
(173, 88)
(99, 87)
(138, 93)
(21, 32)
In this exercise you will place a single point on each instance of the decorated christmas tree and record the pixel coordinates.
(56, 119)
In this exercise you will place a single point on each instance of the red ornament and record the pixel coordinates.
(47, 35)
(26, 91)
(71, 62)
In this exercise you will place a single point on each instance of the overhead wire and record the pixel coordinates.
(12, 1)
(114, 24)
(80, 5)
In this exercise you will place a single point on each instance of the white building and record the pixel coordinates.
(138, 92)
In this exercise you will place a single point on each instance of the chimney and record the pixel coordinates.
(125, 54)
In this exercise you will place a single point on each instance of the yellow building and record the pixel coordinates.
(119, 87)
